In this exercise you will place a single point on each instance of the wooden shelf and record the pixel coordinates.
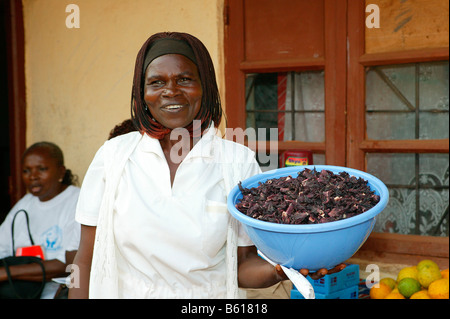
(392, 252)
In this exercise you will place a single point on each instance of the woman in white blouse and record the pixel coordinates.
(153, 202)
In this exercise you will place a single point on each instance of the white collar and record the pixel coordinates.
(203, 148)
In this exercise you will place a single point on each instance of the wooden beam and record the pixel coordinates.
(17, 96)
(356, 89)
(408, 244)
(267, 66)
(407, 56)
(395, 251)
(335, 78)
(392, 263)
(405, 146)
(288, 145)
(234, 55)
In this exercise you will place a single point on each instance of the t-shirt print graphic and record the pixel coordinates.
(52, 238)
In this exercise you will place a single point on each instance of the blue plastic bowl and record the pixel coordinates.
(311, 246)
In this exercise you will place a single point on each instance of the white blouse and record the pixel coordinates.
(170, 240)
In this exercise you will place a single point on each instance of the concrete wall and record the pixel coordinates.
(78, 80)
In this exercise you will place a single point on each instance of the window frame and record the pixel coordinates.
(346, 143)
(333, 63)
(345, 112)
(357, 142)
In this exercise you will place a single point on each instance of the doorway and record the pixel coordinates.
(12, 104)
(5, 200)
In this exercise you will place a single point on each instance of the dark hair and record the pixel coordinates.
(211, 108)
(126, 126)
(55, 152)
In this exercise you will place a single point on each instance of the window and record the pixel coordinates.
(407, 102)
(374, 100)
(302, 41)
(291, 102)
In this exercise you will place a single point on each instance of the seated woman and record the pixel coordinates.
(50, 203)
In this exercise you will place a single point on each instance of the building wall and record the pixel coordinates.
(78, 80)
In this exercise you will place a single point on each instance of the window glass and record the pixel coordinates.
(418, 192)
(408, 101)
(291, 102)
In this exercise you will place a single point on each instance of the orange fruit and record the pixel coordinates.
(438, 289)
(379, 291)
(395, 295)
(423, 294)
(389, 281)
(444, 273)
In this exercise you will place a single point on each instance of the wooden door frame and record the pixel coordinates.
(356, 124)
(234, 54)
(335, 38)
(17, 95)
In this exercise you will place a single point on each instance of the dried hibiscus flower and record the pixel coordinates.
(311, 198)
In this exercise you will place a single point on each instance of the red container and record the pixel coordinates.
(296, 158)
(35, 251)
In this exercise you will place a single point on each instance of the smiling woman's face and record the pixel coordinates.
(41, 174)
(173, 90)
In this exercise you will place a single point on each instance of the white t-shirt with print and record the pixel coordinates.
(52, 225)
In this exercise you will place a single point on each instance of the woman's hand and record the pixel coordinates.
(314, 275)
(255, 272)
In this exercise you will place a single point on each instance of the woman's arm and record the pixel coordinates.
(254, 272)
(83, 260)
(33, 272)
